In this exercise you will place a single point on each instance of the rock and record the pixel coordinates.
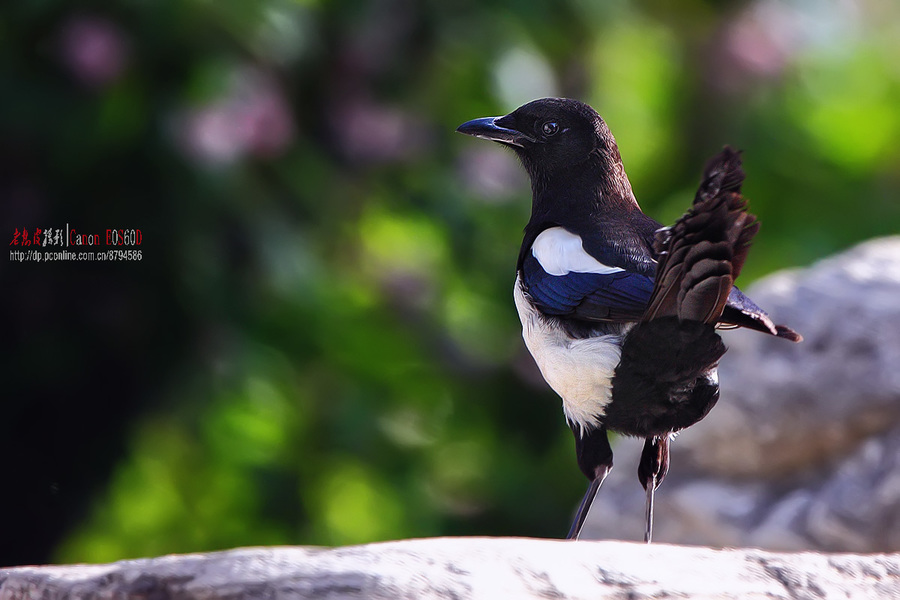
(467, 568)
(803, 449)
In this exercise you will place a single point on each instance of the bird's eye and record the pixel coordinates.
(550, 128)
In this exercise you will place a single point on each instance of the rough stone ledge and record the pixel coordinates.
(461, 568)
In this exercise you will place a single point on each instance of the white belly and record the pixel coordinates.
(579, 370)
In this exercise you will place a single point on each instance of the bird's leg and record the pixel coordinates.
(585, 507)
(651, 471)
(648, 529)
(596, 460)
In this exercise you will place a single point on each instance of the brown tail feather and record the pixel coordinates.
(702, 254)
(722, 173)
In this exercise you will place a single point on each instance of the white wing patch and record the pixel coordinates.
(560, 251)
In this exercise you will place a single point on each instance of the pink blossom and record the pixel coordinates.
(94, 49)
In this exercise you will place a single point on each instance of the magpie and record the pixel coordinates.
(619, 312)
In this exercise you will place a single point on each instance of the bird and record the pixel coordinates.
(620, 313)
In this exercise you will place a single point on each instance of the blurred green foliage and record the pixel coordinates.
(349, 367)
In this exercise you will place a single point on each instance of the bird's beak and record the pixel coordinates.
(495, 129)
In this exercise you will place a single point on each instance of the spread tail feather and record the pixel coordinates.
(703, 253)
(722, 177)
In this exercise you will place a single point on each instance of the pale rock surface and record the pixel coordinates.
(462, 568)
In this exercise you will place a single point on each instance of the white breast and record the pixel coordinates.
(579, 370)
(560, 251)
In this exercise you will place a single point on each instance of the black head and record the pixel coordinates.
(549, 134)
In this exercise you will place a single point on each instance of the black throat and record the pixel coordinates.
(598, 183)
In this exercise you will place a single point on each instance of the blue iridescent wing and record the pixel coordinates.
(619, 296)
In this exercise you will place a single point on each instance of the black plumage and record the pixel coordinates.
(619, 312)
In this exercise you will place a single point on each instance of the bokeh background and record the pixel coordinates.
(319, 345)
